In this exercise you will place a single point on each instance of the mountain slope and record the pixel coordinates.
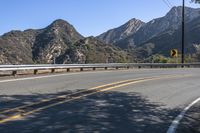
(172, 20)
(59, 41)
(16, 47)
(92, 50)
(54, 39)
(139, 40)
(171, 39)
(37, 46)
(129, 28)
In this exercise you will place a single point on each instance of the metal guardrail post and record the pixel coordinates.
(14, 73)
(68, 69)
(35, 68)
(35, 71)
(53, 70)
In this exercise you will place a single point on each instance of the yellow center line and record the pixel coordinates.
(63, 96)
(106, 89)
(15, 117)
(123, 83)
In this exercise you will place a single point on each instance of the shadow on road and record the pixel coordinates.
(110, 112)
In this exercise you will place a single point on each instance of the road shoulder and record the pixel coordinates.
(191, 121)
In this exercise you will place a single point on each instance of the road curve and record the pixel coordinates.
(148, 106)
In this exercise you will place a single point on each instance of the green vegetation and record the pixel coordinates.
(162, 59)
(95, 51)
(159, 59)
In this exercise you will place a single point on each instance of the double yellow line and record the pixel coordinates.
(20, 113)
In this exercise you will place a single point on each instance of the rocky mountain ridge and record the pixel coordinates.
(171, 21)
(60, 42)
(114, 35)
(135, 41)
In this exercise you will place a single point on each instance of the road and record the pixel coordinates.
(123, 101)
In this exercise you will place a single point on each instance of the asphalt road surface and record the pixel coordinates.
(123, 101)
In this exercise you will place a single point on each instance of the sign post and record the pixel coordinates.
(183, 34)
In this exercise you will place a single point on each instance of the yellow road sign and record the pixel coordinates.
(174, 53)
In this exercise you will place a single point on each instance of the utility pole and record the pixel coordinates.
(183, 34)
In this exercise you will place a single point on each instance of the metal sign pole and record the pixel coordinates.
(183, 33)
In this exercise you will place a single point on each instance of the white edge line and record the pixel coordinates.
(55, 75)
(175, 123)
(47, 76)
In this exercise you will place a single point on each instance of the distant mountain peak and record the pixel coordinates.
(62, 29)
(175, 14)
(121, 32)
(60, 23)
(134, 24)
(177, 10)
(133, 20)
(174, 8)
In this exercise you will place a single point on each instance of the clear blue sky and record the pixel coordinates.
(89, 17)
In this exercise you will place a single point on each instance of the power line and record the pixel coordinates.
(166, 3)
(169, 3)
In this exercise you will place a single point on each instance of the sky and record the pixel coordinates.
(89, 17)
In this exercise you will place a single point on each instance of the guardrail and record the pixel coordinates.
(15, 68)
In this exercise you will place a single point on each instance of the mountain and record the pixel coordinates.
(59, 40)
(172, 20)
(92, 50)
(135, 41)
(37, 46)
(114, 35)
(159, 35)
(16, 47)
(54, 39)
(171, 39)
